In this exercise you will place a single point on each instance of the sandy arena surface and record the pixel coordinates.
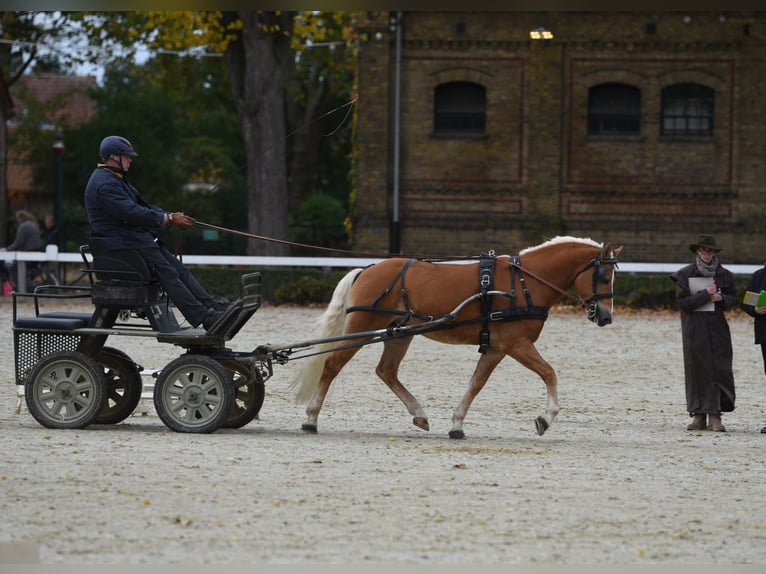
(616, 480)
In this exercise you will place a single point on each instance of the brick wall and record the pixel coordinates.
(536, 172)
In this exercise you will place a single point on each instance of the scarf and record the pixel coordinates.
(705, 269)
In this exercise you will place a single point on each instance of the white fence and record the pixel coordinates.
(256, 262)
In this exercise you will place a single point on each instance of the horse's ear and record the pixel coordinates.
(606, 252)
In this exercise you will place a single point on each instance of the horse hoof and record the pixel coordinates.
(309, 428)
(541, 425)
(421, 422)
(456, 434)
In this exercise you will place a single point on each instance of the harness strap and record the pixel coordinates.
(486, 283)
(407, 313)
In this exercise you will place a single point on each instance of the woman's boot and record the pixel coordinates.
(716, 424)
(699, 422)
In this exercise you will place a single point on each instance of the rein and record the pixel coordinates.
(594, 263)
(204, 225)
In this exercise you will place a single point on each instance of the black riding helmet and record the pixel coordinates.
(115, 145)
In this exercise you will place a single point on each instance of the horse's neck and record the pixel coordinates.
(558, 264)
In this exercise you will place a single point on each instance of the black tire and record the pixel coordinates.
(249, 393)
(194, 394)
(65, 390)
(123, 386)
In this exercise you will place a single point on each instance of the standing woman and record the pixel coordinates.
(27, 238)
(704, 290)
(758, 284)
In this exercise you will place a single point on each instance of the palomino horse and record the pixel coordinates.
(445, 302)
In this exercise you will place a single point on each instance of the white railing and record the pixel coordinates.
(21, 257)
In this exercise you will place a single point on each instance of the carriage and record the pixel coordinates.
(73, 379)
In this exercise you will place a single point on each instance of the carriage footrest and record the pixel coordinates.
(49, 323)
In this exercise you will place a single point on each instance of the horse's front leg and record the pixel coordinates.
(527, 355)
(484, 368)
(388, 371)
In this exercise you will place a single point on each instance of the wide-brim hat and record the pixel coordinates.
(705, 241)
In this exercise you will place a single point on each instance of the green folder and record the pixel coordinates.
(755, 299)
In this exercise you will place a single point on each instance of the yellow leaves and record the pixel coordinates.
(184, 30)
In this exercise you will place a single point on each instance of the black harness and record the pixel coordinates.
(487, 267)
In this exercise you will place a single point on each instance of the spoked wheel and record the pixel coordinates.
(123, 386)
(193, 393)
(65, 390)
(248, 394)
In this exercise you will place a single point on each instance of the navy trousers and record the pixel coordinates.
(180, 285)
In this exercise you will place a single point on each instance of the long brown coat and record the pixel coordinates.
(706, 342)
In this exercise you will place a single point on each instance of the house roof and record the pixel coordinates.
(76, 108)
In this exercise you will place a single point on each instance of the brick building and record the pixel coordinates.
(643, 129)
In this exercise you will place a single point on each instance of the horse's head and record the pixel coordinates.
(595, 284)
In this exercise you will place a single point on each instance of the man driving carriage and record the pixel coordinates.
(124, 220)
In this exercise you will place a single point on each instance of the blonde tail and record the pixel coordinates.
(331, 323)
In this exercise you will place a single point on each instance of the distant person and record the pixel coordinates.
(27, 239)
(51, 234)
(704, 290)
(124, 220)
(758, 284)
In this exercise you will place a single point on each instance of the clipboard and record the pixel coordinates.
(700, 284)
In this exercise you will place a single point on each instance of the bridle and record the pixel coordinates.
(599, 276)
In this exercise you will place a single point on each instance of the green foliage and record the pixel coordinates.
(180, 118)
(321, 222)
(283, 285)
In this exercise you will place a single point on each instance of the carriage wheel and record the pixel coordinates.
(248, 396)
(193, 393)
(123, 386)
(65, 390)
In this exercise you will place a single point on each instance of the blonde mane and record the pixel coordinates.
(561, 239)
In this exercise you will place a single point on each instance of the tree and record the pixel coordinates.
(179, 115)
(318, 107)
(14, 60)
(260, 58)
(258, 61)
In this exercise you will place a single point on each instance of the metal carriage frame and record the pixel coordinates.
(72, 378)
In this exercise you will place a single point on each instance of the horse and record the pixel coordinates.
(499, 302)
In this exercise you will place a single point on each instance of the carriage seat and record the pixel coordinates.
(118, 265)
(122, 277)
(124, 281)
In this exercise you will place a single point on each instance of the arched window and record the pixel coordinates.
(614, 109)
(687, 109)
(460, 107)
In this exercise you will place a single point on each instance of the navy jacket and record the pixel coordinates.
(118, 213)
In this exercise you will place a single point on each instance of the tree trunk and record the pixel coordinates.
(258, 64)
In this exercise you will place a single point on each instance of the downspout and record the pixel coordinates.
(395, 246)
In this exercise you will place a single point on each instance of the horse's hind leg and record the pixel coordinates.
(484, 368)
(388, 369)
(333, 365)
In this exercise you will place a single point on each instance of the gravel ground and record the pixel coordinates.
(616, 480)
